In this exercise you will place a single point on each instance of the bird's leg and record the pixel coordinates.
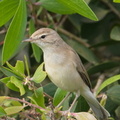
(76, 97)
(63, 99)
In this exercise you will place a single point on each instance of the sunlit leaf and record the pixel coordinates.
(56, 7)
(80, 7)
(8, 83)
(15, 32)
(18, 84)
(39, 74)
(2, 98)
(116, 1)
(18, 69)
(13, 109)
(84, 116)
(108, 82)
(7, 10)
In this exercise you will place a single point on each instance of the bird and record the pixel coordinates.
(65, 69)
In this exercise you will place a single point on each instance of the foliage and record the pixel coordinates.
(91, 27)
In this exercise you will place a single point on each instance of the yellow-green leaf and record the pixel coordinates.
(39, 74)
(18, 84)
(13, 109)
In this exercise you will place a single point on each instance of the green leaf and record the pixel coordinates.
(13, 109)
(18, 69)
(83, 51)
(108, 82)
(2, 98)
(116, 1)
(80, 7)
(50, 89)
(84, 116)
(18, 84)
(7, 10)
(38, 97)
(56, 7)
(8, 83)
(115, 33)
(102, 67)
(59, 95)
(2, 112)
(114, 94)
(15, 32)
(37, 52)
(20, 66)
(39, 74)
(8, 72)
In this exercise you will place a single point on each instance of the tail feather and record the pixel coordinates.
(100, 112)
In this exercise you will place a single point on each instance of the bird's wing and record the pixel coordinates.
(81, 70)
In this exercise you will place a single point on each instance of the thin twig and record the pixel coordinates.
(99, 82)
(66, 33)
(29, 104)
(48, 96)
(112, 8)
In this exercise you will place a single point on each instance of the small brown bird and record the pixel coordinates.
(65, 69)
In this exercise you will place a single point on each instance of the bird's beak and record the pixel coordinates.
(28, 40)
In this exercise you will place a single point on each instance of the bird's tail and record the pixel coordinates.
(100, 112)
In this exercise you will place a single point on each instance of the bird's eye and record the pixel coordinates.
(43, 36)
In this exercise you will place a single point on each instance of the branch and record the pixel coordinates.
(99, 82)
(29, 104)
(112, 8)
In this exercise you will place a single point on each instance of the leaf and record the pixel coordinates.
(20, 66)
(59, 95)
(37, 52)
(38, 97)
(13, 109)
(114, 94)
(7, 10)
(116, 1)
(108, 82)
(39, 74)
(8, 83)
(80, 7)
(18, 69)
(56, 7)
(2, 112)
(18, 84)
(83, 51)
(102, 67)
(84, 116)
(8, 72)
(50, 89)
(115, 33)
(15, 32)
(2, 98)
(99, 11)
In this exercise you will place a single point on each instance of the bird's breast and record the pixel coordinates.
(62, 73)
